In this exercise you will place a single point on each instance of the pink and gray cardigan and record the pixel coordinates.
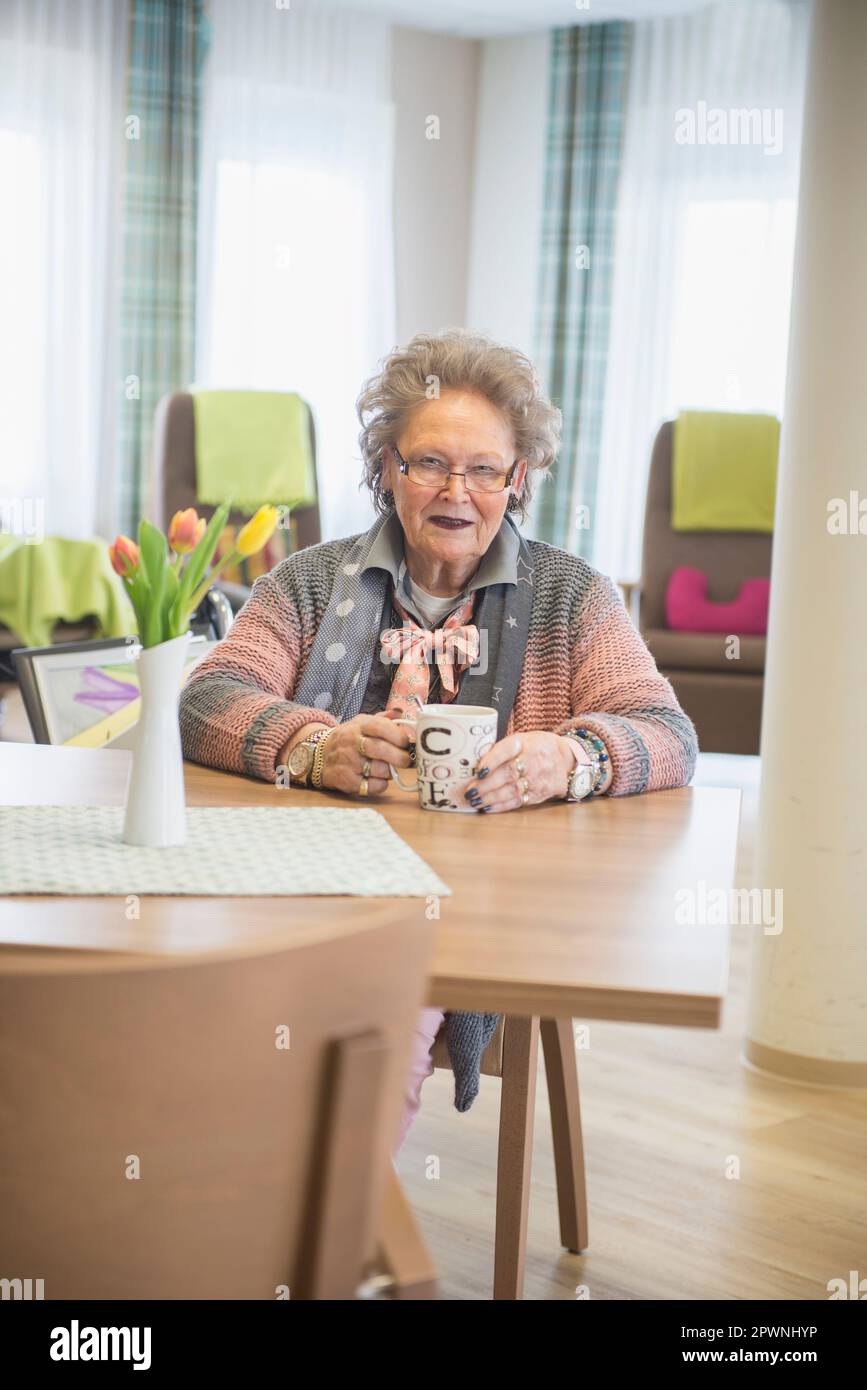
(585, 664)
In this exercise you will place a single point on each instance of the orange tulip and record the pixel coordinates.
(124, 556)
(186, 530)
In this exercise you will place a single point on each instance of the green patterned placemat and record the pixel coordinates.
(230, 851)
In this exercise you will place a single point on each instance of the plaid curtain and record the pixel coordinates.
(168, 42)
(586, 108)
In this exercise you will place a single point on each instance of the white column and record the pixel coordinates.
(808, 998)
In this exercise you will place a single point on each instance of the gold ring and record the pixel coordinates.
(526, 786)
(365, 768)
(362, 790)
(361, 744)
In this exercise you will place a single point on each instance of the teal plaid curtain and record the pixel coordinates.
(167, 48)
(586, 109)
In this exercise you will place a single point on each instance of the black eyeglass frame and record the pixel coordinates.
(403, 467)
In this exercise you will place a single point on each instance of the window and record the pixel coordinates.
(296, 277)
(730, 320)
(61, 91)
(289, 288)
(22, 313)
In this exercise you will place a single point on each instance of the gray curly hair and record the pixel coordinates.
(460, 360)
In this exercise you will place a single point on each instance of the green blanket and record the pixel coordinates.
(253, 447)
(724, 471)
(60, 580)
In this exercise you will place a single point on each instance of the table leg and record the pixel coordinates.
(515, 1157)
(561, 1070)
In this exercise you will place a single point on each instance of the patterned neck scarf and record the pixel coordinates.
(455, 646)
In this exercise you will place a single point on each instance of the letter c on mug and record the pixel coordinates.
(427, 746)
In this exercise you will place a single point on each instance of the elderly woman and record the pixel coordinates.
(332, 643)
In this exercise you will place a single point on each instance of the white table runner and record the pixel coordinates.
(230, 851)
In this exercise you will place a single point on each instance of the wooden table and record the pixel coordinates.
(557, 910)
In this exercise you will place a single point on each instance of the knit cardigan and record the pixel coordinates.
(585, 665)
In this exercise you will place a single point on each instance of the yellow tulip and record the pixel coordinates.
(257, 532)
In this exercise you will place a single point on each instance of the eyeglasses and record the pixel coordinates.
(481, 477)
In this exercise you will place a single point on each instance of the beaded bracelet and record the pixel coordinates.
(587, 737)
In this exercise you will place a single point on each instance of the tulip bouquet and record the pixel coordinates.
(166, 590)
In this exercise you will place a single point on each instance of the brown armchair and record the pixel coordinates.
(722, 696)
(173, 480)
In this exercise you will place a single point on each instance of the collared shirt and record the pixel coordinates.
(498, 565)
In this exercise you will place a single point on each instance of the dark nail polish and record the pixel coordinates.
(472, 795)
(483, 772)
(483, 808)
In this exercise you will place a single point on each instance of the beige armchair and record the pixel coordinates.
(722, 696)
(173, 479)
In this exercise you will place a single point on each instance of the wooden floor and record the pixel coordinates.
(667, 1113)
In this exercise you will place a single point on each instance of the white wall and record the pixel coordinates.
(468, 207)
(433, 75)
(508, 188)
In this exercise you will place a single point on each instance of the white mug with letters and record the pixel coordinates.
(450, 740)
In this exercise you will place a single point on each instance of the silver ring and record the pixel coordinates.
(526, 786)
(525, 797)
(365, 768)
(520, 768)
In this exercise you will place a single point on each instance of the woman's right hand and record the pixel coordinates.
(385, 743)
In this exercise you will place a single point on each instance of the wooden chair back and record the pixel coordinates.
(219, 1129)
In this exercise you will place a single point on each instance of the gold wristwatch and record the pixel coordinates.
(300, 760)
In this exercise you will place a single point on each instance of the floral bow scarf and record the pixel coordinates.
(454, 647)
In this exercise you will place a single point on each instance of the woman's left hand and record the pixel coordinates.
(546, 760)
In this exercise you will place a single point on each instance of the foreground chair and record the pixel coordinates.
(157, 1143)
(513, 1055)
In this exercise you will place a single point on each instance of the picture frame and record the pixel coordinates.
(86, 694)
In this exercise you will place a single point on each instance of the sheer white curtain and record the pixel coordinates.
(705, 236)
(296, 280)
(61, 146)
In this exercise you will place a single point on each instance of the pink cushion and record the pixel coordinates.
(688, 608)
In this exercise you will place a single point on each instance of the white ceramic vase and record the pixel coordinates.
(155, 804)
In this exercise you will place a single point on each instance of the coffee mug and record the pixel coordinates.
(449, 742)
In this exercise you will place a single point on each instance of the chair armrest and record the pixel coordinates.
(237, 594)
(214, 615)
